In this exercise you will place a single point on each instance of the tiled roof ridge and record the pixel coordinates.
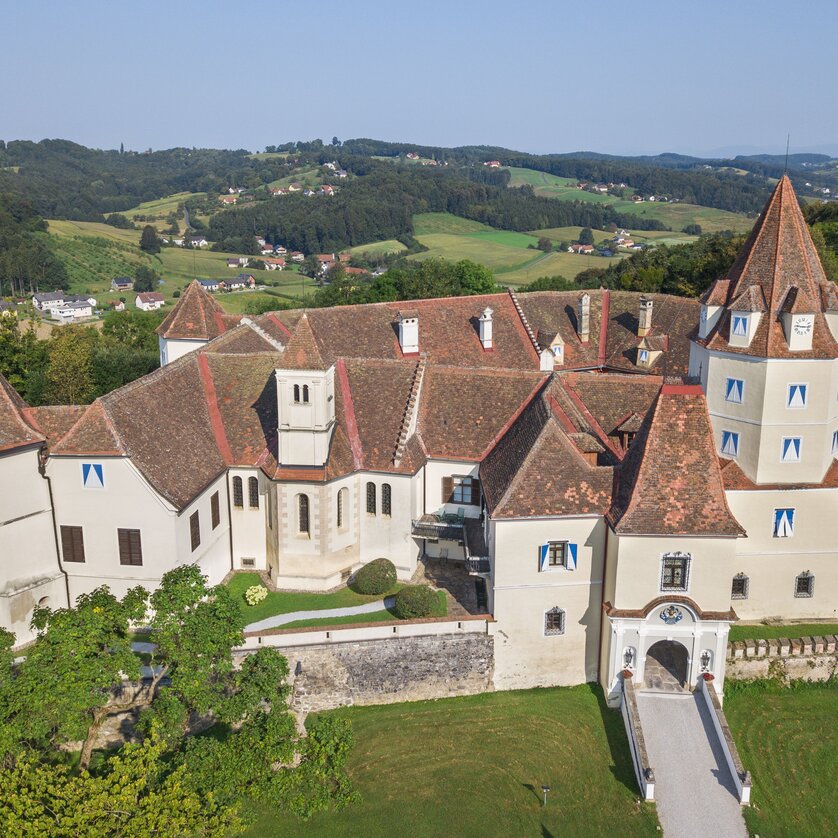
(279, 324)
(524, 322)
(93, 410)
(305, 340)
(411, 411)
(246, 321)
(349, 414)
(204, 303)
(566, 383)
(216, 422)
(514, 418)
(18, 408)
(538, 442)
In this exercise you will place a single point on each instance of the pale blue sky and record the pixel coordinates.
(622, 77)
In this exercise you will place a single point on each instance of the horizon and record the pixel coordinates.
(220, 77)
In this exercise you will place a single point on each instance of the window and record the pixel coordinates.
(790, 451)
(302, 515)
(386, 499)
(297, 393)
(796, 396)
(215, 511)
(643, 356)
(72, 544)
(464, 490)
(238, 494)
(557, 554)
(783, 523)
(675, 571)
(248, 561)
(730, 443)
(740, 325)
(554, 622)
(253, 492)
(305, 393)
(343, 495)
(130, 547)
(371, 498)
(195, 530)
(804, 585)
(734, 390)
(739, 587)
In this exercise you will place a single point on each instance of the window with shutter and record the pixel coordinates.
(72, 544)
(238, 493)
(195, 530)
(215, 510)
(130, 547)
(386, 499)
(447, 489)
(465, 490)
(783, 522)
(253, 492)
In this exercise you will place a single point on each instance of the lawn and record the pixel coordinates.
(788, 740)
(473, 767)
(760, 632)
(428, 223)
(283, 602)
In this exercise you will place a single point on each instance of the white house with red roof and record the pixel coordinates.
(149, 300)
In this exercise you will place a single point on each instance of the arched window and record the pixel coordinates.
(302, 515)
(253, 492)
(305, 393)
(386, 502)
(371, 498)
(297, 393)
(238, 494)
(343, 498)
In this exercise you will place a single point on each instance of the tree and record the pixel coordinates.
(149, 243)
(549, 283)
(335, 141)
(692, 229)
(586, 236)
(545, 244)
(145, 278)
(69, 375)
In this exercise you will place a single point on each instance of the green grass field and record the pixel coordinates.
(761, 632)
(162, 206)
(378, 248)
(788, 740)
(473, 767)
(675, 216)
(507, 254)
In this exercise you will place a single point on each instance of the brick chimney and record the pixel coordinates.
(409, 332)
(583, 317)
(486, 328)
(644, 320)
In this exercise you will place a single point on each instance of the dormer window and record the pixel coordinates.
(643, 356)
(739, 325)
(796, 396)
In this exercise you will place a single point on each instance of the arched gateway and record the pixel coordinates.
(667, 666)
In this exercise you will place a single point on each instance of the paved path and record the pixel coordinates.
(694, 791)
(294, 616)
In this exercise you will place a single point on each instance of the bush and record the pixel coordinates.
(255, 594)
(377, 577)
(415, 601)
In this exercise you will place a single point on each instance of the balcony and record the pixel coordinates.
(439, 528)
(477, 566)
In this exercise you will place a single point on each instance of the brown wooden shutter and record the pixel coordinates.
(447, 489)
(215, 510)
(130, 547)
(475, 491)
(72, 544)
(195, 530)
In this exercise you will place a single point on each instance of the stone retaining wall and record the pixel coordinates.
(389, 670)
(803, 658)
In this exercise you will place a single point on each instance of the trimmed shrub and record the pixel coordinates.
(415, 601)
(255, 594)
(377, 577)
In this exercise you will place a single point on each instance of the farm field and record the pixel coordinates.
(163, 206)
(507, 254)
(378, 248)
(473, 767)
(310, 176)
(650, 237)
(788, 740)
(675, 216)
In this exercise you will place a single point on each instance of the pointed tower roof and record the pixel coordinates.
(197, 316)
(671, 482)
(302, 352)
(15, 430)
(778, 259)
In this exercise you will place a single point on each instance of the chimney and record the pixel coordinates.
(583, 317)
(409, 332)
(644, 321)
(486, 328)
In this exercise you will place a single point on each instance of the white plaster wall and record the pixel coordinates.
(388, 536)
(171, 350)
(772, 564)
(524, 656)
(435, 470)
(249, 526)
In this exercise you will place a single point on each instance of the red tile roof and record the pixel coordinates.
(15, 430)
(197, 316)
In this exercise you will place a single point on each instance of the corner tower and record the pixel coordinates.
(766, 352)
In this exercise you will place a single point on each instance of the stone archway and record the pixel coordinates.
(666, 667)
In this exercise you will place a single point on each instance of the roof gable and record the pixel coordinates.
(15, 430)
(197, 316)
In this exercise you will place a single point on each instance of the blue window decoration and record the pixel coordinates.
(740, 325)
(791, 449)
(796, 395)
(783, 523)
(835, 442)
(92, 476)
(730, 443)
(643, 356)
(570, 555)
(734, 390)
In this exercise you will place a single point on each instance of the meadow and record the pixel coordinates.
(675, 216)
(163, 207)
(378, 248)
(473, 767)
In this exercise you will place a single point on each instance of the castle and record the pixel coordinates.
(628, 473)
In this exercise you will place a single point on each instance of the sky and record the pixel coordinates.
(617, 77)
